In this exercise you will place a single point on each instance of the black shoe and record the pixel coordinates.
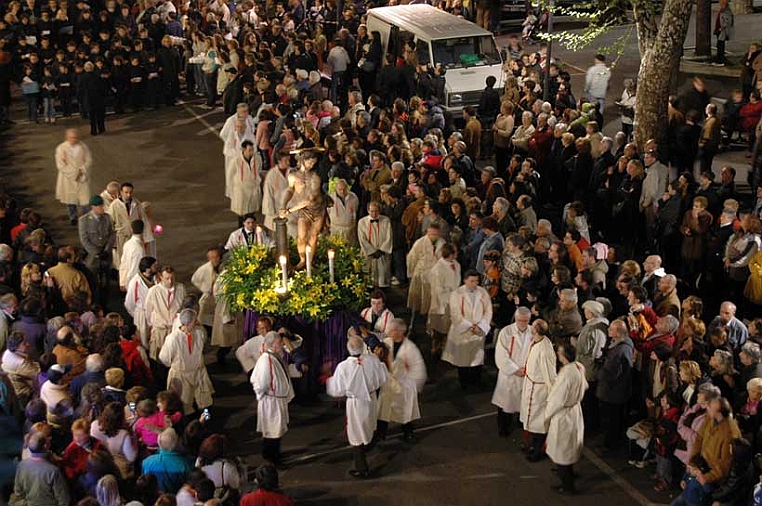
(359, 474)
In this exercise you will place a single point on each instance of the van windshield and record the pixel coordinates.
(465, 52)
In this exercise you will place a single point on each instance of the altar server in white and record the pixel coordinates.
(408, 371)
(343, 213)
(540, 375)
(249, 234)
(511, 351)
(183, 353)
(203, 279)
(245, 182)
(420, 259)
(241, 113)
(358, 378)
(274, 392)
(276, 182)
(162, 303)
(233, 145)
(123, 211)
(227, 327)
(73, 161)
(132, 252)
(444, 278)
(374, 233)
(378, 315)
(563, 416)
(250, 351)
(471, 314)
(137, 290)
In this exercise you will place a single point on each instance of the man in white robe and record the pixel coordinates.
(132, 252)
(110, 194)
(123, 211)
(203, 279)
(444, 278)
(183, 353)
(343, 213)
(137, 291)
(229, 130)
(274, 392)
(511, 351)
(227, 329)
(378, 315)
(163, 302)
(471, 315)
(233, 146)
(399, 398)
(563, 417)
(540, 375)
(276, 183)
(245, 183)
(358, 378)
(420, 259)
(249, 234)
(250, 351)
(73, 162)
(374, 233)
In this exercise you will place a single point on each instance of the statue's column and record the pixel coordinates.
(281, 237)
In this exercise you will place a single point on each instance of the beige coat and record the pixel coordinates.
(245, 185)
(161, 306)
(464, 347)
(204, 280)
(187, 373)
(73, 183)
(563, 415)
(420, 259)
(122, 221)
(540, 375)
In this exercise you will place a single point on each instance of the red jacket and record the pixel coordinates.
(265, 498)
(750, 114)
(139, 370)
(74, 460)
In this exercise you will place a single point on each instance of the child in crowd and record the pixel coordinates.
(665, 439)
(49, 93)
(694, 493)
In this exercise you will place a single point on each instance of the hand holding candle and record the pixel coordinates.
(331, 255)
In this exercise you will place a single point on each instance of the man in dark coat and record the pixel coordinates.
(94, 93)
(615, 383)
(169, 63)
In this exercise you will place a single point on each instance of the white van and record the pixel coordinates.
(469, 53)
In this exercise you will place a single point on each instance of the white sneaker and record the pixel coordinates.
(395, 281)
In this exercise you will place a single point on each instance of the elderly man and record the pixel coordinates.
(163, 301)
(67, 279)
(9, 304)
(20, 367)
(737, 331)
(229, 128)
(374, 232)
(665, 299)
(274, 391)
(652, 273)
(38, 481)
(169, 466)
(73, 161)
(343, 213)
(183, 353)
(563, 415)
(511, 351)
(69, 353)
(654, 186)
(539, 375)
(245, 182)
(233, 146)
(420, 259)
(125, 210)
(471, 317)
(93, 374)
(751, 367)
(358, 378)
(408, 375)
(565, 320)
(615, 384)
(589, 351)
(97, 237)
(501, 212)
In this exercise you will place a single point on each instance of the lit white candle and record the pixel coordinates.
(308, 253)
(283, 263)
(331, 254)
(259, 236)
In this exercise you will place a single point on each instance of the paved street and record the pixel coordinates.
(175, 162)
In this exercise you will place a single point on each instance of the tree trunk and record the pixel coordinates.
(660, 51)
(703, 28)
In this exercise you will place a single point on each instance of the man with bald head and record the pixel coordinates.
(358, 378)
(652, 273)
(665, 299)
(737, 331)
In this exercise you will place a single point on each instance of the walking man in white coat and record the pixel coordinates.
(358, 378)
(245, 182)
(73, 162)
(471, 314)
(540, 375)
(276, 182)
(274, 392)
(563, 417)
(183, 353)
(137, 290)
(123, 211)
(233, 146)
(511, 351)
(408, 373)
(444, 278)
(203, 279)
(132, 253)
(374, 232)
(163, 302)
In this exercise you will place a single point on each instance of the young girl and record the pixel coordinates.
(665, 439)
(48, 92)
(150, 424)
(30, 88)
(694, 493)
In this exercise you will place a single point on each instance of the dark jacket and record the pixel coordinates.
(614, 376)
(94, 90)
(737, 488)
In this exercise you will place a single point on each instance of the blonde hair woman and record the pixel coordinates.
(30, 276)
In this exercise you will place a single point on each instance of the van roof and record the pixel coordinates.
(428, 21)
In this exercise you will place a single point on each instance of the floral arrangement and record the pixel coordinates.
(252, 275)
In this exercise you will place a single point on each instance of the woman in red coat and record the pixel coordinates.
(751, 112)
(74, 460)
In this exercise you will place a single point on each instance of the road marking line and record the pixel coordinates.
(209, 127)
(625, 485)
